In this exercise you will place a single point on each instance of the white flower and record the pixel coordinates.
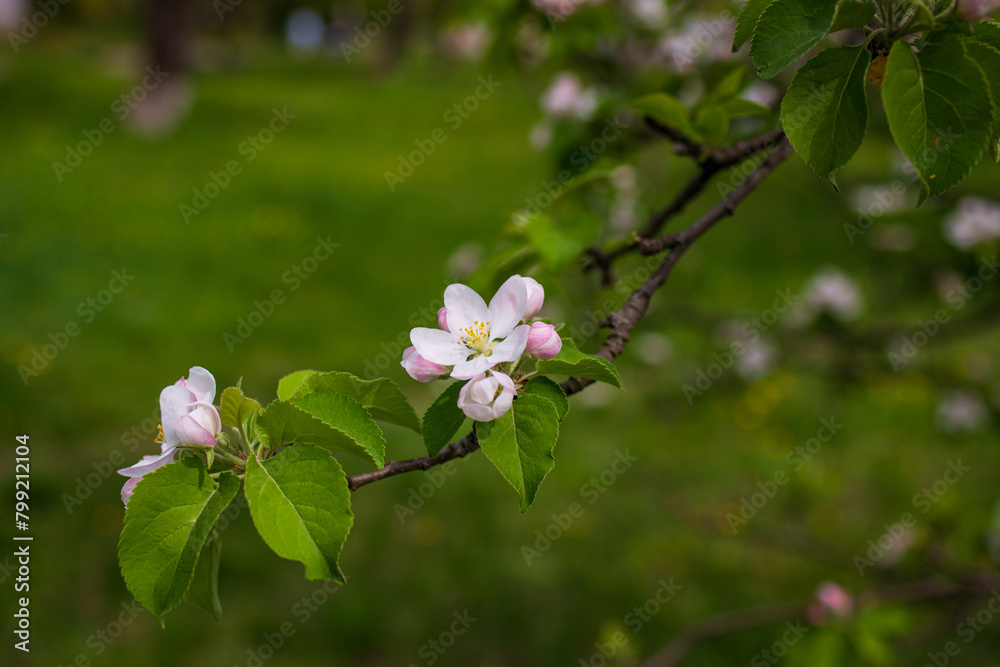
(479, 337)
(484, 399)
(651, 13)
(834, 292)
(420, 369)
(961, 411)
(188, 419)
(975, 221)
(566, 97)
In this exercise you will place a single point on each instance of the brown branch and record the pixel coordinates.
(753, 617)
(622, 321)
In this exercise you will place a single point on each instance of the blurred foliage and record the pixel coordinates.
(93, 408)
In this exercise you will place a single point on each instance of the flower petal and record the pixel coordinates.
(175, 402)
(127, 489)
(512, 347)
(482, 391)
(193, 434)
(206, 416)
(479, 413)
(507, 306)
(478, 364)
(464, 307)
(438, 346)
(463, 393)
(148, 464)
(201, 383)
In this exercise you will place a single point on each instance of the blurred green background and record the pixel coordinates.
(463, 549)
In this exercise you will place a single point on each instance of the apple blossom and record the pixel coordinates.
(484, 399)
(480, 336)
(189, 420)
(973, 10)
(536, 295)
(443, 318)
(420, 369)
(543, 341)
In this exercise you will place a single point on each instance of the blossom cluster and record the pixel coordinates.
(189, 420)
(483, 344)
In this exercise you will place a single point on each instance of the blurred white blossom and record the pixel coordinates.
(833, 292)
(650, 13)
(567, 97)
(961, 412)
(757, 360)
(974, 221)
(762, 93)
(467, 41)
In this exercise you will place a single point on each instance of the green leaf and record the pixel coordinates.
(549, 390)
(746, 22)
(301, 506)
(168, 519)
(787, 29)
(738, 108)
(852, 15)
(728, 86)
(668, 110)
(825, 112)
(288, 384)
(204, 588)
(987, 34)
(713, 125)
(938, 107)
(571, 361)
(520, 444)
(332, 421)
(382, 397)
(234, 407)
(443, 419)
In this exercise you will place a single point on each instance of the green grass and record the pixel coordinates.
(323, 176)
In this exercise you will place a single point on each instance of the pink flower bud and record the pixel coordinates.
(443, 319)
(543, 341)
(835, 598)
(973, 10)
(419, 368)
(484, 399)
(536, 295)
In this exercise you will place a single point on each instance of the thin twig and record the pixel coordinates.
(622, 321)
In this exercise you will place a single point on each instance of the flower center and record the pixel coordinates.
(159, 436)
(477, 338)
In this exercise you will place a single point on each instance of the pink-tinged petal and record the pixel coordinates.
(438, 346)
(206, 415)
(543, 341)
(505, 381)
(193, 434)
(472, 367)
(202, 384)
(420, 369)
(464, 307)
(443, 319)
(148, 464)
(536, 296)
(463, 393)
(482, 391)
(479, 413)
(175, 402)
(512, 347)
(507, 307)
(127, 489)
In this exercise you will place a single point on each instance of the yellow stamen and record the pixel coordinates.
(477, 338)
(160, 437)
